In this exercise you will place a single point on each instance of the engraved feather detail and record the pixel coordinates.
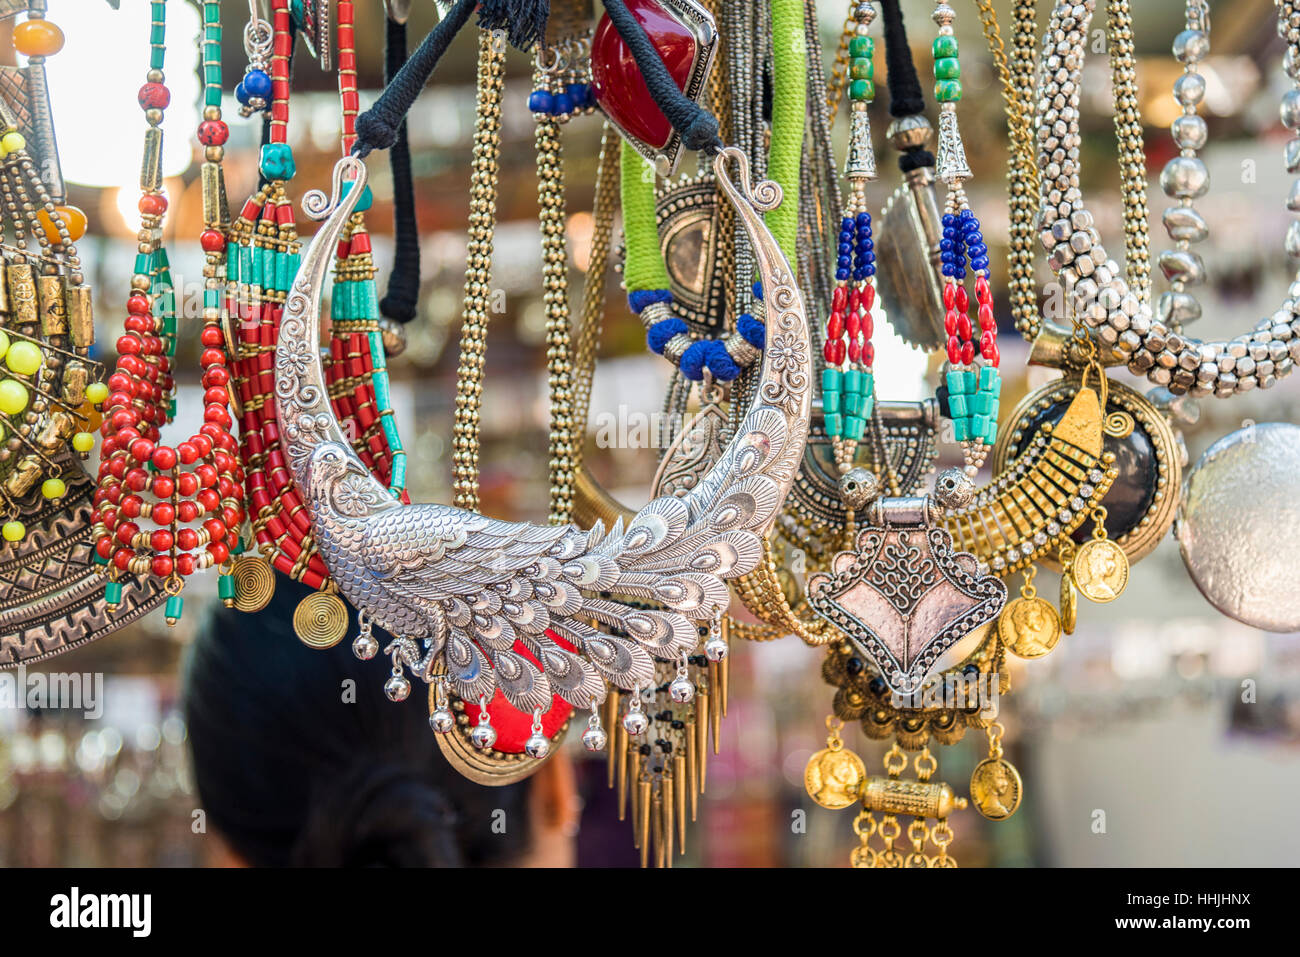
(526, 608)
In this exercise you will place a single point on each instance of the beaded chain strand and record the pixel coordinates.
(971, 391)
(848, 380)
(141, 479)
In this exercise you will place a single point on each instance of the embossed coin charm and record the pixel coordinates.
(321, 620)
(1029, 627)
(995, 788)
(1100, 570)
(834, 777)
(1069, 604)
(254, 582)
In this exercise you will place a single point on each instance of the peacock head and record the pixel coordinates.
(329, 463)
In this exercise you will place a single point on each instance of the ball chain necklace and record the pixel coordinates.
(190, 492)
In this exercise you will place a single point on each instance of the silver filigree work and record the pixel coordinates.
(461, 588)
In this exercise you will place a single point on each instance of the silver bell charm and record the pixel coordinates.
(716, 648)
(442, 720)
(483, 736)
(595, 738)
(365, 646)
(537, 746)
(682, 689)
(635, 722)
(397, 688)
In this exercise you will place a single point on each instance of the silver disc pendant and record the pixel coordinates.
(1237, 525)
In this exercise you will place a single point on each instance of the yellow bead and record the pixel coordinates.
(97, 392)
(72, 217)
(83, 441)
(4, 344)
(37, 38)
(13, 396)
(24, 357)
(12, 142)
(54, 488)
(13, 531)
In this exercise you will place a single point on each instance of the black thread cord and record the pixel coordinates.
(377, 127)
(902, 82)
(697, 126)
(403, 295)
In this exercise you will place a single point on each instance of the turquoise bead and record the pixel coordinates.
(947, 91)
(868, 403)
(861, 68)
(957, 405)
(277, 161)
(947, 68)
(830, 402)
(957, 384)
(862, 90)
(868, 383)
(979, 426)
(834, 425)
(989, 378)
(854, 427)
(172, 610)
(853, 404)
(862, 46)
(961, 429)
(944, 46)
(226, 587)
(981, 403)
(853, 381)
(113, 593)
(367, 198)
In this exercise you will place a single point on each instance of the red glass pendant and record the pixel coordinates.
(684, 34)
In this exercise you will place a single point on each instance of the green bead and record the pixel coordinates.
(868, 403)
(113, 593)
(276, 161)
(172, 610)
(98, 559)
(862, 46)
(365, 202)
(830, 402)
(868, 383)
(947, 68)
(862, 90)
(834, 427)
(861, 68)
(957, 406)
(226, 587)
(832, 380)
(947, 91)
(944, 46)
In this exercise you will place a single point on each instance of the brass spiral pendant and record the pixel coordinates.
(321, 620)
(254, 583)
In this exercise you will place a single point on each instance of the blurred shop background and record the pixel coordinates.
(1138, 714)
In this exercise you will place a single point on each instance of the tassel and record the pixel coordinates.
(524, 21)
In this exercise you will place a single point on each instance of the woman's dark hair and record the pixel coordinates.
(300, 758)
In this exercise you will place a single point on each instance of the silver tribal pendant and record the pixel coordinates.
(460, 588)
